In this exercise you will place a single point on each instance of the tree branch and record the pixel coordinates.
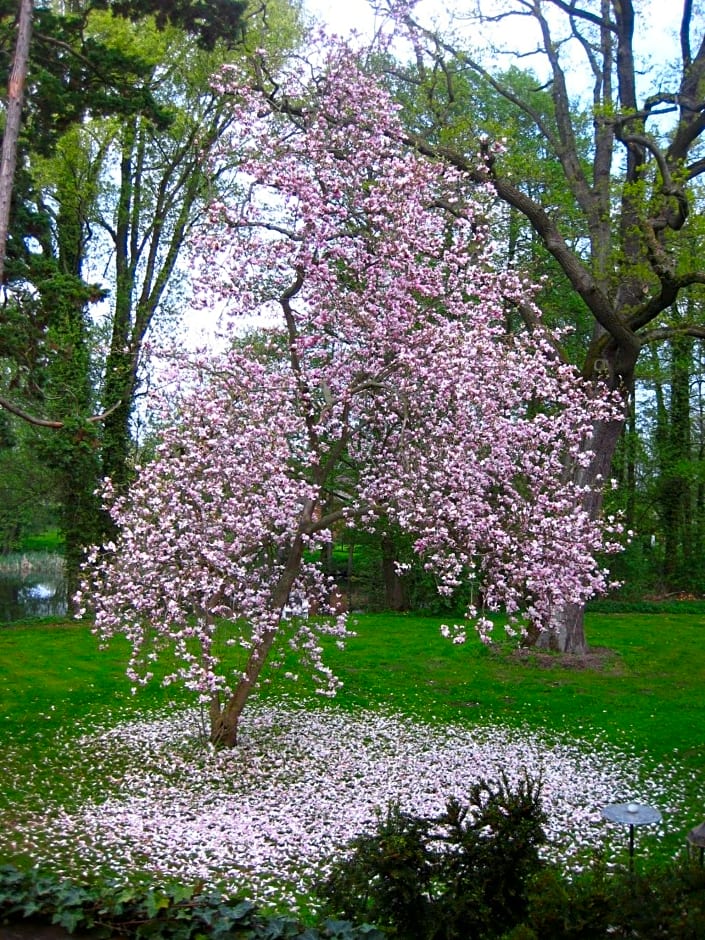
(572, 11)
(30, 419)
(48, 422)
(671, 332)
(579, 275)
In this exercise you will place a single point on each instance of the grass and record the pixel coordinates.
(647, 689)
(645, 699)
(50, 540)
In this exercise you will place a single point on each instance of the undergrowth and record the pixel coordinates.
(177, 912)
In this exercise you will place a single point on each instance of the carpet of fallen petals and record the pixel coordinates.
(261, 820)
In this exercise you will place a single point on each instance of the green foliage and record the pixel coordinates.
(179, 912)
(118, 114)
(637, 570)
(462, 874)
(558, 907)
(208, 22)
(48, 540)
(452, 879)
(627, 606)
(388, 879)
(27, 492)
(71, 73)
(664, 902)
(363, 566)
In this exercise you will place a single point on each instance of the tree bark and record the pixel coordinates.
(566, 631)
(225, 718)
(13, 120)
(394, 589)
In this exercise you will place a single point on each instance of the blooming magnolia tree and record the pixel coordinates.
(399, 394)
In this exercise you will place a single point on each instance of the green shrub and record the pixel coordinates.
(665, 903)
(460, 875)
(567, 908)
(388, 880)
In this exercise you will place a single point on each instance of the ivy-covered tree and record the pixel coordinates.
(45, 324)
(112, 187)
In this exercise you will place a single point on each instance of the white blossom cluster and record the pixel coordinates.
(263, 819)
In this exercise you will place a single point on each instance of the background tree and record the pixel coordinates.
(633, 194)
(112, 192)
(45, 318)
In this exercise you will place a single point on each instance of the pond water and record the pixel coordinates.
(32, 584)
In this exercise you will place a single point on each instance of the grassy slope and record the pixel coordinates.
(648, 695)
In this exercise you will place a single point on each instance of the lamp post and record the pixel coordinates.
(631, 814)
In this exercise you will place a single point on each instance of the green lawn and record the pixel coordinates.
(650, 690)
(645, 696)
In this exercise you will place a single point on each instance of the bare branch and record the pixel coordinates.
(695, 169)
(685, 33)
(579, 275)
(573, 11)
(664, 299)
(48, 422)
(30, 419)
(671, 332)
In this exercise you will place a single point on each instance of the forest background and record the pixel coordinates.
(111, 183)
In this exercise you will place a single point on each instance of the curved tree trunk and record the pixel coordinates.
(225, 716)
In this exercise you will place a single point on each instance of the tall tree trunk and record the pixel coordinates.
(630, 465)
(13, 119)
(72, 449)
(675, 483)
(119, 382)
(699, 455)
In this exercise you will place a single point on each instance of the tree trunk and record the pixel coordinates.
(394, 588)
(13, 117)
(675, 489)
(225, 719)
(566, 631)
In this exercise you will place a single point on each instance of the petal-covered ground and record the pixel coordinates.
(261, 819)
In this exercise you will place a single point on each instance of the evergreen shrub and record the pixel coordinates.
(660, 903)
(462, 874)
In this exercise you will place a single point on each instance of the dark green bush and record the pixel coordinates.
(463, 874)
(665, 903)
(617, 606)
(562, 907)
(389, 878)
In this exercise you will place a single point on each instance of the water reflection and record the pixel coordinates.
(31, 585)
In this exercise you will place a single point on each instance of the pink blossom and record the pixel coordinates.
(391, 392)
